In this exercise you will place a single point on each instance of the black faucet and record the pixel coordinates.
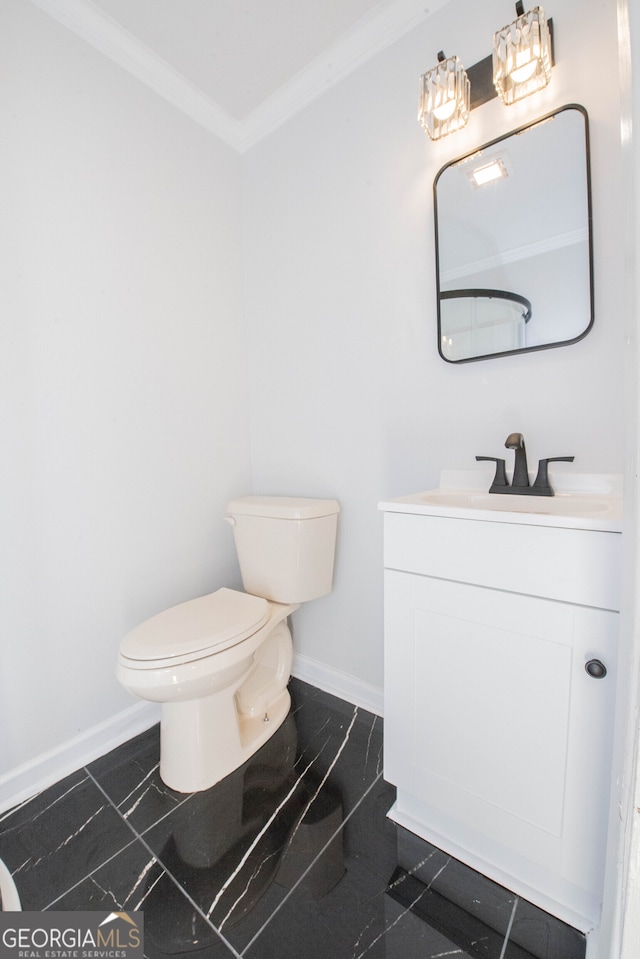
(520, 482)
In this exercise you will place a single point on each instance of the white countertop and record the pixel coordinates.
(594, 503)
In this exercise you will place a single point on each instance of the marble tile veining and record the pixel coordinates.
(63, 833)
(291, 855)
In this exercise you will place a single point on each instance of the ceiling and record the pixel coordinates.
(238, 52)
(240, 67)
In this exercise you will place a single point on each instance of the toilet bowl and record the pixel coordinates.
(220, 664)
(225, 682)
(9, 898)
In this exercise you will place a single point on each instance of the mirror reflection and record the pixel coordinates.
(513, 242)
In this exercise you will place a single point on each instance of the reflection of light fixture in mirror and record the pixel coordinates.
(522, 55)
(488, 173)
(444, 97)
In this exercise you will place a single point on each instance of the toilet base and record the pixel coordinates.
(216, 741)
(203, 740)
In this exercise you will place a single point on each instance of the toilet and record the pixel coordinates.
(220, 664)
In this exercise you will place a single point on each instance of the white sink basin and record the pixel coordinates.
(602, 511)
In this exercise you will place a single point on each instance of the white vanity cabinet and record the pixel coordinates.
(497, 737)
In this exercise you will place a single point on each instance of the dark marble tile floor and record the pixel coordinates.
(289, 857)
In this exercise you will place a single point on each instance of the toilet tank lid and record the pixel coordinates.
(282, 507)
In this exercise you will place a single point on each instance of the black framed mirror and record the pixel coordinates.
(514, 260)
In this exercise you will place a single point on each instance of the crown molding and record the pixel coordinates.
(371, 35)
(116, 43)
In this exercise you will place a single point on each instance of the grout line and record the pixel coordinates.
(180, 887)
(508, 932)
(88, 876)
(311, 865)
(112, 804)
(253, 845)
(275, 813)
(25, 802)
(138, 837)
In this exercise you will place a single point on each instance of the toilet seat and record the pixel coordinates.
(206, 625)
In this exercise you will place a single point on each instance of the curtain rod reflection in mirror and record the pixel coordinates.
(480, 320)
(522, 301)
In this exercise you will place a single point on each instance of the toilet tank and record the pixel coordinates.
(285, 545)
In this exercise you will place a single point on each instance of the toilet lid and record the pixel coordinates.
(218, 620)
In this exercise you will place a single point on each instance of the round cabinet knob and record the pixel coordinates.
(596, 669)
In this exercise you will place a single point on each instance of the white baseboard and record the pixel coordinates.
(25, 781)
(339, 684)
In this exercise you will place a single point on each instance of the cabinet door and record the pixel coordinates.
(493, 724)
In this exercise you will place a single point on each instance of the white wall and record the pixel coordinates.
(348, 395)
(123, 397)
(124, 403)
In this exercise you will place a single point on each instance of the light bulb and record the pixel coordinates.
(520, 74)
(445, 110)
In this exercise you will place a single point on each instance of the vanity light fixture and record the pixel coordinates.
(444, 97)
(520, 65)
(522, 55)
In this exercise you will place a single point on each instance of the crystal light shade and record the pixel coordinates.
(522, 56)
(444, 98)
